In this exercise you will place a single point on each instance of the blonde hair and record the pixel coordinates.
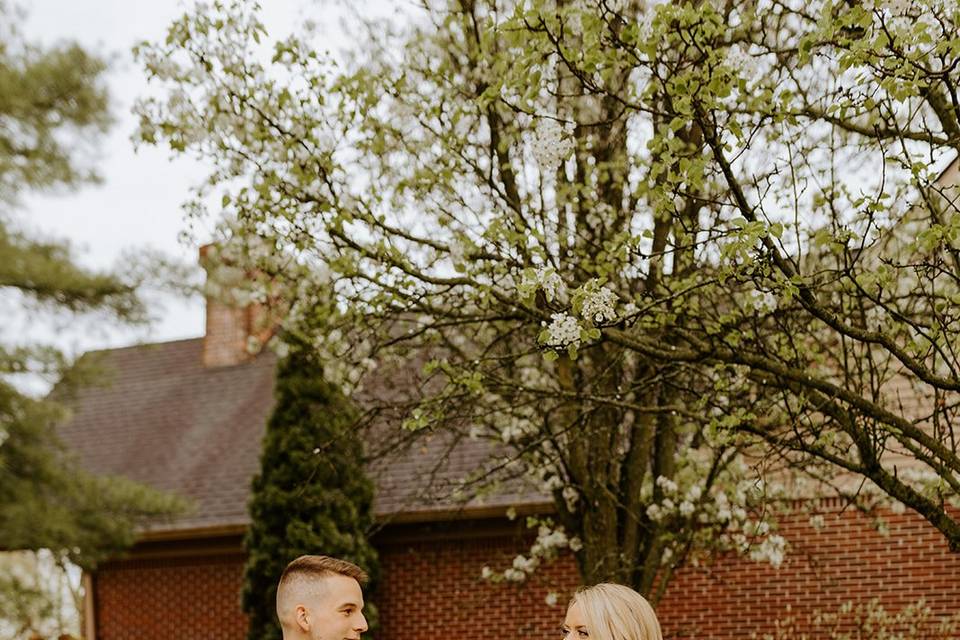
(616, 612)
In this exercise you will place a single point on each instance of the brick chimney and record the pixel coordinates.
(235, 333)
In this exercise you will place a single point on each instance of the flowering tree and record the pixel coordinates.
(653, 248)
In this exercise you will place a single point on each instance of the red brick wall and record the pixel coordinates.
(845, 560)
(175, 599)
(432, 590)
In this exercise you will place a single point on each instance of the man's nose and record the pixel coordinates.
(363, 624)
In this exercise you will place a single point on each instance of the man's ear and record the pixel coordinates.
(302, 617)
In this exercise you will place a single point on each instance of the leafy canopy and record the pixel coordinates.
(672, 255)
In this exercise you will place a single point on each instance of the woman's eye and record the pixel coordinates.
(583, 633)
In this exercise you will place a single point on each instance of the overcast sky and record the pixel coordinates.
(138, 203)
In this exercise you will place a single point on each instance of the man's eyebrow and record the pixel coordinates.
(350, 603)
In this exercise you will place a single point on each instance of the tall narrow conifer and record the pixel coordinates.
(311, 495)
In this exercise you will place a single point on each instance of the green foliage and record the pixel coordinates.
(53, 101)
(57, 98)
(53, 106)
(48, 502)
(662, 247)
(311, 495)
(45, 272)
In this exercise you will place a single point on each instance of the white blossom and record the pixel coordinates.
(667, 485)
(654, 512)
(551, 143)
(551, 483)
(514, 575)
(545, 278)
(548, 542)
(527, 565)
(563, 331)
(772, 549)
(551, 282)
(598, 303)
(763, 301)
(895, 7)
(511, 433)
(551, 599)
(686, 508)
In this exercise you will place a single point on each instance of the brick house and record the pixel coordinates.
(188, 416)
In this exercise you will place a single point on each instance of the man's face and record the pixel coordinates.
(337, 611)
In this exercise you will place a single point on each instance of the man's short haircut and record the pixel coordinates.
(322, 567)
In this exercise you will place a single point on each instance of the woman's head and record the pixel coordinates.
(610, 612)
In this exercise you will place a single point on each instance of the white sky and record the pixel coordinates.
(138, 204)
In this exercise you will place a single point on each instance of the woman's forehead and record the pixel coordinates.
(574, 616)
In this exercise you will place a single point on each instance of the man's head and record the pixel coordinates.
(319, 598)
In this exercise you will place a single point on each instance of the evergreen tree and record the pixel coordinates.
(53, 103)
(311, 495)
(53, 107)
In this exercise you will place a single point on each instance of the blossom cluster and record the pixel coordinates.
(551, 144)
(543, 278)
(771, 549)
(763, 301)
(723, 516)
(563, 331)
(548, 544)
(597, 304)
(515, 427)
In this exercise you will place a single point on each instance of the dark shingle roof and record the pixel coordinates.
(164, 419)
